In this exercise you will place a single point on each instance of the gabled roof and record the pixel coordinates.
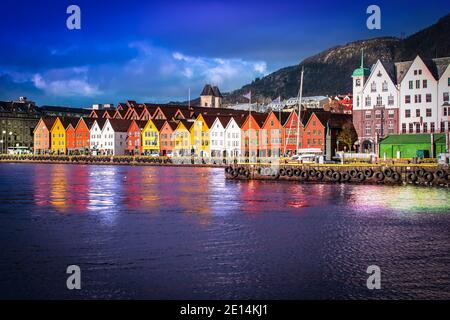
(66, 121)
(187, 124)
(141, 124)
(260, 118)
(224, 120)
(120, 125)
(240, 119)
(88, 122)
(100, 122)
(159, 123)
(209, 120)
(172, 124)
(48, 122)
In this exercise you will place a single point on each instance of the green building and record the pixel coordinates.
(411, 145)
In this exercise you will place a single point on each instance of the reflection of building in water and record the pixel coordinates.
(105, 192)
(58, 187)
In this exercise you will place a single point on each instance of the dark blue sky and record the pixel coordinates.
(154, 51)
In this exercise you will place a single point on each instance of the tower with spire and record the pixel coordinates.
(359, 78)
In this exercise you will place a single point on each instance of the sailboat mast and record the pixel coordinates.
(299, 109)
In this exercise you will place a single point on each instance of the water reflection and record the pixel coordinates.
(187, 233)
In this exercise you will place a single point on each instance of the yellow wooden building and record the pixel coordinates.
(150, 138)
(183, 138)
(200, 139)
(58, 137)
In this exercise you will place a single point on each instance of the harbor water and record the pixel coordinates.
(189, 233)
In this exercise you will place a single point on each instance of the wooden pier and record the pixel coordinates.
(423, 174)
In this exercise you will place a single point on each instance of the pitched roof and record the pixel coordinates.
(282, 116)
(224, 120)
(159, 123)
(101, 122)
(66, 121)
(209, 120)
(49, 121)
(173, 124)
(120, 125)
(209, 90)
(260, 118)
(140, 123)
(187, 124)
(88, 121)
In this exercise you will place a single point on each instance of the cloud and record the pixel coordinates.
(152, 74)
(66, 83)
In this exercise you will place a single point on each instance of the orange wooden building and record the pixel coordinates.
(134, 139)
(82, 134)
(42, 137)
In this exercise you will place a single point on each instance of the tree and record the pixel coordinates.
(347, 136)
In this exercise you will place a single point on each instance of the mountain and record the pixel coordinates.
(329, 72)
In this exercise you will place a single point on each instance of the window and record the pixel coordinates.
(442, 126)
(424, 84)
(411, 84)
(403, 127)
(428, 112)
(411, 128)
(368, 130)
(417, 84)
(378, 129)
(391, 114)
(379, 101)
(415, 72)
(391, 128)
(432, 127)
(417, 127)
(428, 97)
(417, 112)
(391, 100)
(358, 82)
(378, 114)
(445, 111)
(425, 127)
(417, 98)
(385, 86)
(368, 102)
(368, 114)
(448, 81)
(445, 96)
(373, 87)
(420, 71)
(408, 99)
(357, 101)
(407, 113)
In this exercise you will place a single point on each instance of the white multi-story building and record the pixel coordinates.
(96, 135)
(418, 96)
(375, 103)
(404, 97)
(233, 136)
(444, 100)
(114, 137)
(217, 136)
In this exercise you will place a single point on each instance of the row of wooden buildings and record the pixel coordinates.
(150, 129)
